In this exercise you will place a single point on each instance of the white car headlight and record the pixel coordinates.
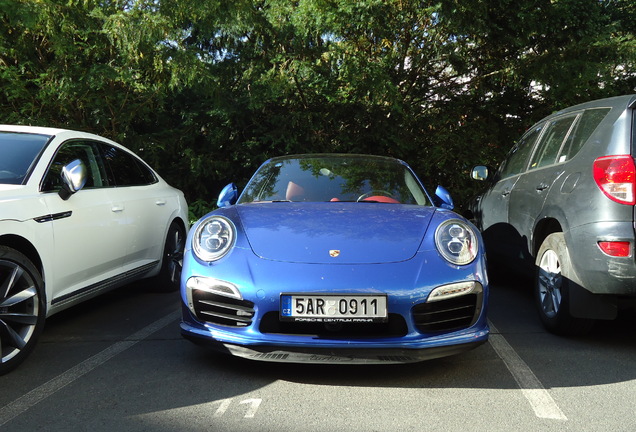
(213, 238)
(456, 241)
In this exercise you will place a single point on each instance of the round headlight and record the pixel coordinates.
(456, 241)
(213, 238)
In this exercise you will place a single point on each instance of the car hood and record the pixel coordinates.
(335, 233)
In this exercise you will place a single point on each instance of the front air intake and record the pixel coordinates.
(447, 315)
(221, 310)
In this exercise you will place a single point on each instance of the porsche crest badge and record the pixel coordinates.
(334, 253)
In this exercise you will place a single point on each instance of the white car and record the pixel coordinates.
(79, 215)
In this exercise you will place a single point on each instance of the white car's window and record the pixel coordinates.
(88, 153)
(126, 169)
(18, 153)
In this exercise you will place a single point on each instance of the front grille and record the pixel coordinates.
(222, 310)
(394, 327)
(447, 315)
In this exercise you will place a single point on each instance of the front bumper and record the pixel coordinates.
(245, 321)
(251, 344)
(315, 355)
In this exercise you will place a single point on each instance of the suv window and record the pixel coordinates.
(127, 170)
(551, 142)
(518, 156)
(88, 153)
(583, 129)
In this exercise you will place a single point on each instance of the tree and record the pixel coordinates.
(207, 90)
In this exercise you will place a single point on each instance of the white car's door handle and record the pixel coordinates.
(160, 202)
(117, 208)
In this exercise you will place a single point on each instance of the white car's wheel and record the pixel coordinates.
(552, 285)
(22, 308)
(169, 276)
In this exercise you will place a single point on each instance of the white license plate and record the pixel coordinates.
(333, 308)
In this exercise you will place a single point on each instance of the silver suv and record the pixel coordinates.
(562, 205)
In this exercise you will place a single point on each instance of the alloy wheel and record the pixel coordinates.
(174, 254)
(550, 282)
(19, 309)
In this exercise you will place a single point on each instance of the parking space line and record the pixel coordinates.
(17, 407)
(540, 400)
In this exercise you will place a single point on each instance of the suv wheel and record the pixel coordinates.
(22, 308)
(552, 282)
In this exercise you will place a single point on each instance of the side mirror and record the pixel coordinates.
(228, 196)
(73, 178)
(480, 173)
(444, 197)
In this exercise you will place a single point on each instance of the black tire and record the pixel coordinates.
(169, 276)
(22, 308)
(552, 288)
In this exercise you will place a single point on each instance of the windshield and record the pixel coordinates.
(335, 178)
(18, 151)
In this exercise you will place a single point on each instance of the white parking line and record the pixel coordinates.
(17, 407)
(540, 400)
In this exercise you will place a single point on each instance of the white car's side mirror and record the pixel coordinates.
(73, 178)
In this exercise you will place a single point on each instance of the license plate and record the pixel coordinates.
(333, 308)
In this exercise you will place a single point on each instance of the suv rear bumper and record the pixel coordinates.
(598, 272)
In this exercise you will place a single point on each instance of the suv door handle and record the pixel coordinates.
(542, 187)
(506, 192)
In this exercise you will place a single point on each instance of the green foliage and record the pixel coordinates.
(199, 208)
(206, 90)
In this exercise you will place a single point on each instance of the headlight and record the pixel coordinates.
(213, 238)
(456, 241)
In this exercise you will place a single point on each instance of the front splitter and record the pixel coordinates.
(335, 355)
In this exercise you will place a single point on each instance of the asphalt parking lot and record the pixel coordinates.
(119, 363)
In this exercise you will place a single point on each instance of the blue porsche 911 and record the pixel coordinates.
(333, 258)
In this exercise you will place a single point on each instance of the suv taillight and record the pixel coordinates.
(615, 248)
(616, 177)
